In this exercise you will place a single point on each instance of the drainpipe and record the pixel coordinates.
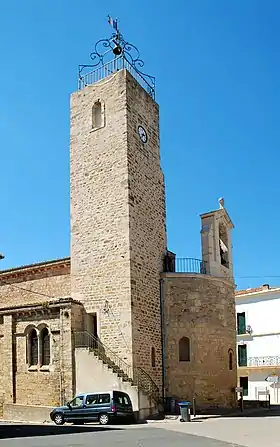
(162, 335)
(61, 358)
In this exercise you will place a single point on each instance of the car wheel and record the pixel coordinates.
(58, 419)
(104, 419)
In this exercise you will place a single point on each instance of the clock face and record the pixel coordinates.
(142, 134)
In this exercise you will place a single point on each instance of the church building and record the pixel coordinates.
(122, 312)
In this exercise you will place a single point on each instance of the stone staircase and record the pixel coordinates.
(134, 376)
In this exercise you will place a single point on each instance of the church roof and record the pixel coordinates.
(39, 267)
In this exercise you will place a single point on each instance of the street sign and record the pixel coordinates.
(239, 389)
(273, 379)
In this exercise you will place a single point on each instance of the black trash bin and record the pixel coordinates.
(185, 410)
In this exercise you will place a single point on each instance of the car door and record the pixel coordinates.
(91, 407)
(104, 403)
(76, 409)
(119, 402)
(127, 404)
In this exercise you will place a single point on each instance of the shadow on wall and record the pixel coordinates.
(25, 430)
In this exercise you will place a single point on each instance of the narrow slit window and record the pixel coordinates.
(153, 357)
(97, 115)
(230, 359)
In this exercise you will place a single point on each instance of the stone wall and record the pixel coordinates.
(100, 257)
(201, 308)
(147, 232)
(35, 284)
(35, 385)
(118, 217)
(47, 385)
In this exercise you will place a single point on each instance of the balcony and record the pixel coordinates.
(264, 361)
(183, 265)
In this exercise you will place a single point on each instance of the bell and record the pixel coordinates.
(117, 50)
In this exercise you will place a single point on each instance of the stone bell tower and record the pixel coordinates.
(216, 243)
(118, 234)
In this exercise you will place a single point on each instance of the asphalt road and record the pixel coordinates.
(70, 436)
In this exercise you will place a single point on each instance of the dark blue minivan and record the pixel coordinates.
(104, 407)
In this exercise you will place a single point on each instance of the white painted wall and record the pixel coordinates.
(258, 386)
(262, 312)
(93, 376)
(267, 345)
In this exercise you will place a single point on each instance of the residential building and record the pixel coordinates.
(258, 342)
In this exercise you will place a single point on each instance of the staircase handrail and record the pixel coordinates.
(146, 382)
(86, 339)
(139, 376)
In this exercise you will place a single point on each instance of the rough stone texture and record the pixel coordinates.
(28, 379)
(118, 217)
(201, 308)
(147, 228)
(25, 286)
(35, 385)
(35, 284)
(210, 242)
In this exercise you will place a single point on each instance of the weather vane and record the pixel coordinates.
(125, 54)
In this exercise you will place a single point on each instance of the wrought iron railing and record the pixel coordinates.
(264, 361)
(146, 383)
(137, 376)
(117, 64)
(187, 265)
(86, 340)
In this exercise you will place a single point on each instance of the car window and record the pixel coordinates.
(77, 401)
(91, 399)
(104, 399)
(118, 398)
(127, 399)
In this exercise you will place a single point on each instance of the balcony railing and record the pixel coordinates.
(117, 64)
(184, 265)
(264, 361)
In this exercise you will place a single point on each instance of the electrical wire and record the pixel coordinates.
(26, 290)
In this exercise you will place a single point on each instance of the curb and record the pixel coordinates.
(204, 417)
(16, 421)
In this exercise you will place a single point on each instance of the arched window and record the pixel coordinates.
(33, 348)
(153, 357)
(45, 346)
(184, 349)
(230, 359)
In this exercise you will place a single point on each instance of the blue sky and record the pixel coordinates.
(217, 69)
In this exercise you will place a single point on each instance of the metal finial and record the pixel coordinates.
(121, 50)
(221, 202)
